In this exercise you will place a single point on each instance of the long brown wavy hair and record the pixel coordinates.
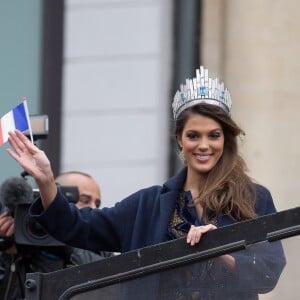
(227, 189)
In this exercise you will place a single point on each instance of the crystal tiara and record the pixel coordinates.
(201, 89)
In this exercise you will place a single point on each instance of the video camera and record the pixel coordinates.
(16, 196)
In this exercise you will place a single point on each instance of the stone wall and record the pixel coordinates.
(254, 47)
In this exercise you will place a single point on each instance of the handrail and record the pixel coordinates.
(163, 256)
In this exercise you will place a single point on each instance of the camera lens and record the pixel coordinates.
(35, 229)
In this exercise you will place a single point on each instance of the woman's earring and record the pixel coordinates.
(181, 156)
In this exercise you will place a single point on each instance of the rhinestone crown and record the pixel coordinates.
(201, 89)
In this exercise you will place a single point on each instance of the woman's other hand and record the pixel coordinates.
(195, 233)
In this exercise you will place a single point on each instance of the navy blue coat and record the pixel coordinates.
(142, 220)
(137, 221)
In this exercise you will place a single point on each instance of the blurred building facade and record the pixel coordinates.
(254, 46)
(116, 77)
(115, 89)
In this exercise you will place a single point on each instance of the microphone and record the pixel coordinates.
(14, 191)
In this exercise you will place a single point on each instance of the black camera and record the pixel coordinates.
(16, 196)
(28, 231)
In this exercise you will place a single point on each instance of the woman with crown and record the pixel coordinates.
(212, 190)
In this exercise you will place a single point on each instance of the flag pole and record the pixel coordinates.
(27, 117)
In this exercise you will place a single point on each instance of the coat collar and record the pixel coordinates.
(168, 197)
(176, 182)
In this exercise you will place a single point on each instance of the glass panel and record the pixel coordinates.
(262, 271)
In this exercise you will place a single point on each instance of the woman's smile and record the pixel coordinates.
(202, 158)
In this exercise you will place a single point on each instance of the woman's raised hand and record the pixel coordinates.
(35, 162)
(31, 158)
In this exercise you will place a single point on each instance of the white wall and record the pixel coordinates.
(116, 80)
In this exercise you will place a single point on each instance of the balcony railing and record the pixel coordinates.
(263, 250)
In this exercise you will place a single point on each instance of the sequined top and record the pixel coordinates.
(183, 216)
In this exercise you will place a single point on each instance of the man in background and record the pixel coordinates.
(89, 196)
(89, 190)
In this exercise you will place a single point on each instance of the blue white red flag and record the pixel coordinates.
(17, 118)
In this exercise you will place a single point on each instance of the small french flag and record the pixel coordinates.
(17, 118)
